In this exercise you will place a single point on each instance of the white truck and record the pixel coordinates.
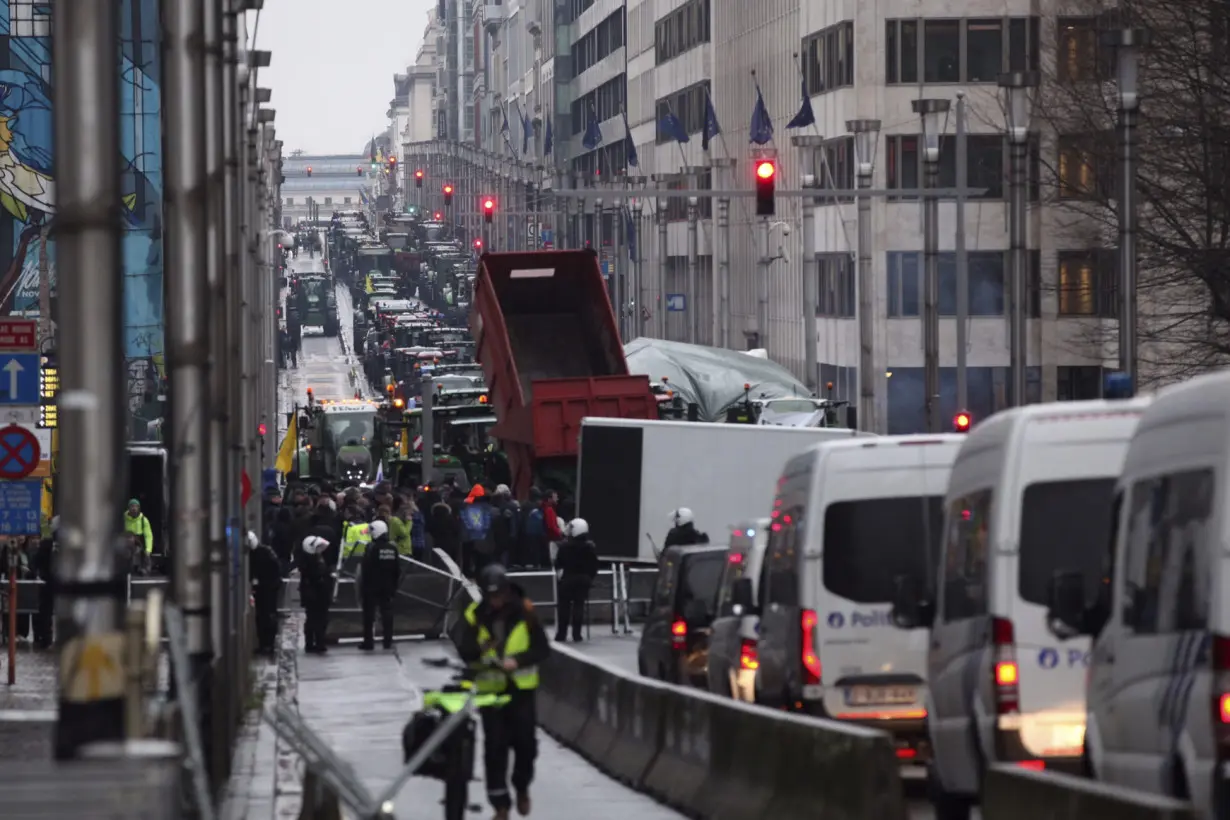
(632, 474)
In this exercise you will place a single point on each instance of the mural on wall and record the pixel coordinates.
(27, 189)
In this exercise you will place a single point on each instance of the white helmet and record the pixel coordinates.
(576, 528)
(379, 528)
(253, 541)
(314, 544)
(681, 516)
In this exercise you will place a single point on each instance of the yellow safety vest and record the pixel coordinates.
(358, 536)
(490, 680)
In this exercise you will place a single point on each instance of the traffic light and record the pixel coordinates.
(961, 422)
(418, 179)
(448, 194)
(766, 185)
(438, 216)
(488, 209)
(478, 244)
(309, 170)
(261, 429)
(392, 165)
(359, 171)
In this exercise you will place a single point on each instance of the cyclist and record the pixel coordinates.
(503, 628)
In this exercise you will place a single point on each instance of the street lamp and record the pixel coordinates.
(1018, 88)
(812, 155)
(1127, 44)
(934, 116)
(866, 142)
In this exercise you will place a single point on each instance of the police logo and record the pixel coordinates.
(1048, 658)
(836, 620)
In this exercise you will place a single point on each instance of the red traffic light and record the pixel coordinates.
(961, 422)
(438, 215)
(478, 243)
(418, 174)
(309, 170)
(765, 169)
(261, 429)
(488, 204)
(448, 189)
(392, 160)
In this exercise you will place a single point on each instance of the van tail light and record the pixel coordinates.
(1221, 694)
(679, 633)
(811, 661)
(1007, 673)
(749, 658)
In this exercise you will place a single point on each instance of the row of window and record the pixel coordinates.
(677, 206)
(986, 158)
(599, 42)
(959, 50)
(605, 101)
(290, 201)
(828, 58)
(688, 106)
(609, 159)
(682, 30)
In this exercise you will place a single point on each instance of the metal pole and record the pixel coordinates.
(638, 284)
(90, 594)
(868, 412)
(663, 267)
(931, 298)
(187, 292)
(962, 260)
(1018, 149)
(762, 291)
(810, 334)
(723, 283)
(693, 304)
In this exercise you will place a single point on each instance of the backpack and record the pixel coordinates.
(476, 521)
(535, 524)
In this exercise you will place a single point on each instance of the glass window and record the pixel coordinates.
(986, 283)
(891, 56)
(1087, 284)
(1079, 382)
(701, 576)
(903, 163)
(782, 556)
(1168, 553)
(903, 282)
(1078, 54)
(985, 163)
(868, 544)
(1064, 527)
(735, 570)
(967, 540)
(664, 586)
(941, 51)
(984, 50)
(1080, 174)
(909, 51)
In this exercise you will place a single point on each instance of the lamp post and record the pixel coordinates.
(1018, 89)
(866, 141)
(934, 116)
(1127, 43)
(812, 146)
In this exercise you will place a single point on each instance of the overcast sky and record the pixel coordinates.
(333, 67)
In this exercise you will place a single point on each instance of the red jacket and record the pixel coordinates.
(551, 521)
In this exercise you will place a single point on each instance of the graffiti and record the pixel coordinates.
(27, 186)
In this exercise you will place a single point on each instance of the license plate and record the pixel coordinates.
(880, 695)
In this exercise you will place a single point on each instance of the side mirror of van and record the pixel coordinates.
(741, 597)
(1065, 614)
(910, 609)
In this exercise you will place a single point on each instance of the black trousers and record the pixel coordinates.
(266, 621)
(511, 727)
(316, 628)
(572, 594)
(383, 602)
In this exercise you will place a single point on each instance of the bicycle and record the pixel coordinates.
(452, 759)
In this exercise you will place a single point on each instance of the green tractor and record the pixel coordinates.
(316, 303)
(336, 440)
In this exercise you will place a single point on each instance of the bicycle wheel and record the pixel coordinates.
(456, 798)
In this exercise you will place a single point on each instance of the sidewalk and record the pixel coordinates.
(28, 708)
(359, 702)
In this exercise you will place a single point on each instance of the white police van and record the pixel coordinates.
(1158, 696)
(850, 517)
(1030, 495)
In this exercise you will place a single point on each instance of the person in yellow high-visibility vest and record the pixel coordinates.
(504, 643)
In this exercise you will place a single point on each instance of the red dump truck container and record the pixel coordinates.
(550, 350)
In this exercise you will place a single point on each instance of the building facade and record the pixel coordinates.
(335, 183)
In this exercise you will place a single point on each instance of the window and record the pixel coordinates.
(664, 586)
(1084, 171)
(986, 157)
(682, 30)
(1087, 283)
(1078, 382)
(782, 556)
(828, 57)
(290, 200)
(328, 200)
(904, 160)
(598, 43)
(967, 540)
(988, 277)
(868, 544)
(837, 172)
(1064, 528)
(1079, 56)
(835, 289)
(986, 164)
(904, 278)
(734, 571)
(952, 51)
(346, 201)
(1169, 547)
(701, 576)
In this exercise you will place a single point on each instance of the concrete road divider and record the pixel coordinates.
(715, 758)
(1013, 793)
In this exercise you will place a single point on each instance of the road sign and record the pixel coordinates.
(18, 334)
(676, 302)
(19, 378)
(19, 452)
(21, 506)
(97, 673)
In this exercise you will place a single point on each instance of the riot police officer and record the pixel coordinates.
(381, 570)
(316, 591)
(577, 566)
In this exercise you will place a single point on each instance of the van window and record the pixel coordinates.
(664, 586)
(869, 543)
(1167, 556)
(699, 579)
(964, 591)
(733, 572)
(1065, 526)
(781, 559)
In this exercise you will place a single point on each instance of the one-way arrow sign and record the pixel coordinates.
(19, 385)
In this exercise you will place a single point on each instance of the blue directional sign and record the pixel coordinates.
(19, 378)
(676, 302)
(21, 507)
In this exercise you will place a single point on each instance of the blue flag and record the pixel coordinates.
(712, 129)
(527, 130)
(593, 133)
(761, 130)
(629, 146)
(673, 128)
(805, 116)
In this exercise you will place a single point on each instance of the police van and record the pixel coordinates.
(1158, 696)
(1030, 494)
(733, 657)
(850, 518)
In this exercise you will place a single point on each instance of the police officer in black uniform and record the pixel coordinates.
(316, 591)
(266, 572)
(577, 565)
(381, 569)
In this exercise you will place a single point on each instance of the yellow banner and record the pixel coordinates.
(290, 444)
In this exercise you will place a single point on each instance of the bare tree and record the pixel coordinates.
(1183, 179)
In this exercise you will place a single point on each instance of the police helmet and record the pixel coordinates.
(314, 544)
(253, 541)
(681, 516)
(379, 528)
(576, 528)
(493, 578)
